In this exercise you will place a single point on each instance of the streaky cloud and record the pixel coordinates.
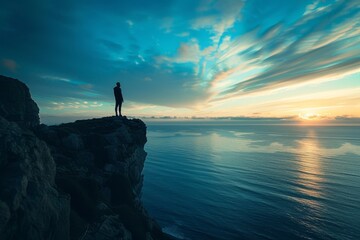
(311, 49)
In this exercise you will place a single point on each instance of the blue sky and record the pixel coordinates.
(186, 58)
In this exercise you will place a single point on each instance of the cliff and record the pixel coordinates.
(78, 180)
(16, 104)
(30, 205)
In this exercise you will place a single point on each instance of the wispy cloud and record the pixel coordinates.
(286, 102)
(81, 84)
(186, 53)
(322, 44)
(205, 57)
(218, 17)
(73, 105)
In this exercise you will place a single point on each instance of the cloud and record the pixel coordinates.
(167, 24)
(176, 53)
(130, 23)
(290, 57)
(218, 16)
(112, 45)
(81, 84)
(187, 52)
(295, 102)
(183, 34)
(73, 105)
(9, 64)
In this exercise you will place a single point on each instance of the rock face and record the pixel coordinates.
(16, 104)
(30, 206)
(79, 180)
(99, 164)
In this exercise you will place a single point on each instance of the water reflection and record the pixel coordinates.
(310, 182)
(300, 184)
(310, 167)
(307, 148)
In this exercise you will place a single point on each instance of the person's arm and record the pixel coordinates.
(121, 96)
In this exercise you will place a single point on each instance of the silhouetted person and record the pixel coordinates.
(118, 99)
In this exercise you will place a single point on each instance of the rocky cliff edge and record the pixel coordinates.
(78, 180)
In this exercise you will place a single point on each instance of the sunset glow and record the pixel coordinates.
(188, 59)
(310, 116)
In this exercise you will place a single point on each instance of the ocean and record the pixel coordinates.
(230, 180)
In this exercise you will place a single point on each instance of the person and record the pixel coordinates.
(118, 99)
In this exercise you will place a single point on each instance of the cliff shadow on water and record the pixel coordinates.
(79, 180)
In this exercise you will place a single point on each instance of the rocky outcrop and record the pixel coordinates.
(99, 164)
(16, 104)
(79, 180)
(30, 206)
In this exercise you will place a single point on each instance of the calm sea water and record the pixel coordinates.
(234, 181)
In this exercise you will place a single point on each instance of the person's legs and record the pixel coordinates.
(120, 104)
(116, 106)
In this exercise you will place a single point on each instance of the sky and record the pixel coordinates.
(186, 58)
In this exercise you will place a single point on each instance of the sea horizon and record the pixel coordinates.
(343, 121)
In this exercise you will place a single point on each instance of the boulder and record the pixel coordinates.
(16, 104)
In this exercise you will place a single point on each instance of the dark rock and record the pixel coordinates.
(16, 104)
(30, 206)
(4, 215)
(100, 163)
(78, 180)
(108, 228)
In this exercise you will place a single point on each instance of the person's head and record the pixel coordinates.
(118, 84)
